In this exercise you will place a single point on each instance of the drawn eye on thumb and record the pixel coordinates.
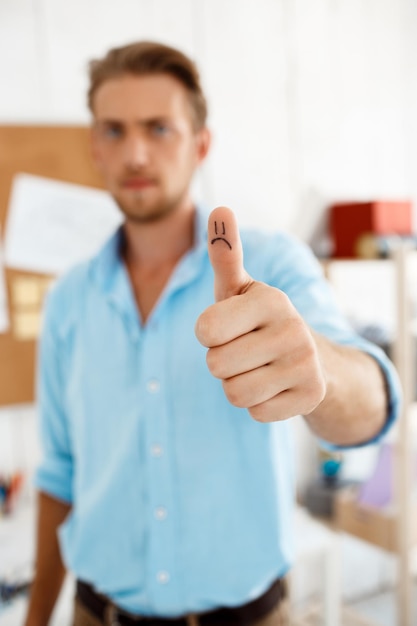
(218, 237)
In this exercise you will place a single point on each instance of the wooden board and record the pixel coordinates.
(59, 152)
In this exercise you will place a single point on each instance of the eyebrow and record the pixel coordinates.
(146, 122)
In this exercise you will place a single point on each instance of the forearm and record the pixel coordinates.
(49, 568)
(355, 406)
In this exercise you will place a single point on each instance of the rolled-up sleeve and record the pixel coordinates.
(301, 277)
(55, 473)
(393, 391)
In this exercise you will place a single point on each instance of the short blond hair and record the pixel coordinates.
(149, 57)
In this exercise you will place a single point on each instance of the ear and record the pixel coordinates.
(203, 144)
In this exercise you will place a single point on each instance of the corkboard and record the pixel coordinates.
(60, 152)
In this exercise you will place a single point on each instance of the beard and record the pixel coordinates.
(140, 211)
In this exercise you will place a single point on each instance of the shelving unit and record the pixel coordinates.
(404, 360)
(394, 530)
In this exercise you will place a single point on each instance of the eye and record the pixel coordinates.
(159, 129)
(112, 131)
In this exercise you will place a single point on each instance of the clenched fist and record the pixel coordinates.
(258, 344)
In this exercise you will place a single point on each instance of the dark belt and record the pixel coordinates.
(244, 615)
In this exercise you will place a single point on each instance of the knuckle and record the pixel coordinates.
(258, 413)
(320, 391)
(309, 359)
(268, 411)
(281, 302)
(314, 394)
(233, 394)
(205, 329)
(214, 363)
(307, 349)
(299, 327)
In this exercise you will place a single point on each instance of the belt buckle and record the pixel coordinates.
(111, 616)
(192, 620)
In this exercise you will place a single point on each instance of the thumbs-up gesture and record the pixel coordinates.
(259, 345)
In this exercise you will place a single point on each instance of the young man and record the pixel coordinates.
(169, 479)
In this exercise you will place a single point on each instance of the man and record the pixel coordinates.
(170, 479)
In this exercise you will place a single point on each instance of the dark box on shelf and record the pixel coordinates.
(348, 221)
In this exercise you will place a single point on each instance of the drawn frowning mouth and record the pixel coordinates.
(220, 238)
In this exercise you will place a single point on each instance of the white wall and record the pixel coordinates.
(311, 101)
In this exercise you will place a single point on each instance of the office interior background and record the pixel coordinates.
(311, 102)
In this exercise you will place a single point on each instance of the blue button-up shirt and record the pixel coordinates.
(180, 501)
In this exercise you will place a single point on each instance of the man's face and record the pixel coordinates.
(144, 143)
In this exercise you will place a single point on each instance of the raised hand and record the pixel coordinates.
(259, 345)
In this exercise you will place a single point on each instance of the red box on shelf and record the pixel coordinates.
(348, 221)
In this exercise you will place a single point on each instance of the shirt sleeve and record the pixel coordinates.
(55, 473)
(300, 275)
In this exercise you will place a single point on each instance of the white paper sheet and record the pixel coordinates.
(4, 315)
(53, 225)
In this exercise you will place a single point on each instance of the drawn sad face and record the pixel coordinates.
(218, 235)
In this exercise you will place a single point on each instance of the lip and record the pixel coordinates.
(138, 183)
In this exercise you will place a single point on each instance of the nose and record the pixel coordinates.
(136, 152)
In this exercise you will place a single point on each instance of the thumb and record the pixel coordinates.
(226, 254)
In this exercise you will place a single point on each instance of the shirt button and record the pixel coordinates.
(160, 513)
(156, 450)
(162, 577)
(153, 386)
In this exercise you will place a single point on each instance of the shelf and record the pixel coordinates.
(376, 526)
(394, 528)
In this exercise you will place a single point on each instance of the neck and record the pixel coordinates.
(154, 244)
(151, 252)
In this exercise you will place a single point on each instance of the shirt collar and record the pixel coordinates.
(110, 272)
